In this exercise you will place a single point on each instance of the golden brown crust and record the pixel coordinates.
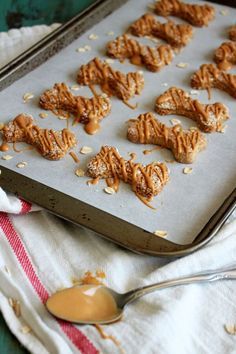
(185, 145)
(112, 82)
(146, 181)
(197, 15)
(232, 33)
(62, 102)
(225, 55)
(209, 117)
(177, 35)
(209, 76)
(51, 144)
(154, 59)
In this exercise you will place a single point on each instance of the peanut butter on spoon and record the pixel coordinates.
(98, 304)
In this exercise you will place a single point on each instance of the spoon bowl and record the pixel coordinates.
(98, 304)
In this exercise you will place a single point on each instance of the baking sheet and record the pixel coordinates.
(188, 201)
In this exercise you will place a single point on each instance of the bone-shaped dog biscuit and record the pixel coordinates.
(225, 55)
(177, 35)
(197, 15)
(153, 58)
(184, 144)
(146, 181)
(209, 117)
(112, 82)
(232, 33)
(209, 76)
(88, 111)
(51, 144)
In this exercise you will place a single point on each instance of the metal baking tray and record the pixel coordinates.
(123, 220)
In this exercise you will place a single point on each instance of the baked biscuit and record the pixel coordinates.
(112, 82)
(184, 144)
(197, 15)
(51, 144)
(153, 59)
(225, 55)
(232, 33)
(209, 117)
(88, 111)
(177, 35)
(146, 181)
(209, 76)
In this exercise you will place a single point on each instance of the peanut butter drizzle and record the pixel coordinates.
(86, 110)
(4, 147)
(111, 82)
(21, 150)
(44, 139)
(133, 173)
(93, 181)
(232, 33)
(147, 152)
(153, 58)
(74, 157)
(176, 35)
(209, 76)
(104, 335)
(146, 124)
(225, 56)
(145, 201)
(198, 15)
(184, 102)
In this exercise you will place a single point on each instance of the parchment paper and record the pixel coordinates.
(188, 201)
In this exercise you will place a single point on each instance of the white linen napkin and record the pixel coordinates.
(41, 253)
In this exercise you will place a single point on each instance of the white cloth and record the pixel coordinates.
(40, 253)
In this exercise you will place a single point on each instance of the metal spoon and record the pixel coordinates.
(122, 300)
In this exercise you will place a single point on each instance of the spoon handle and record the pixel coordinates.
(203, 277)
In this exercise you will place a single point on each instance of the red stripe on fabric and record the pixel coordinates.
(73, 333)
(25, 207)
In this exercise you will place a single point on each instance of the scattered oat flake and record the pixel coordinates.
(109, 190)
(80, 50)
(155, 40)
(182, 65)
(169, 161)
(140, 72)
(222, 129)
(7, 157)
(79, 172)
(187, 170)
(164, 84)
(87, 47)
(194, 92)
(161, 233)
(193, 129)
(230, 329)
(7, 270)
(43, 115)
(109, 61)
(86, 150)
(93, 36)
(22, 164)
(25, 329)
(15, 304)
(224, 12)
(27, 96)
(110, 33)
(151, 6)
(1, 126)
(175, 121)
(10, 300)
(62, 117)
(75, 87)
